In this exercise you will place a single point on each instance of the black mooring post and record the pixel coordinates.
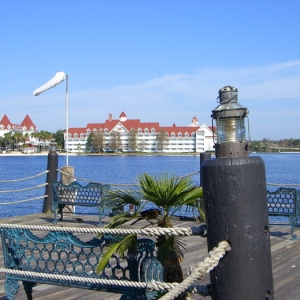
(52, 166)
(203, 157)
(236, 211)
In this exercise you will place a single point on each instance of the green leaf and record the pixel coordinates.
(119, 247)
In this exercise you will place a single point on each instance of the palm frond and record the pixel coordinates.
(119, 197)
(171, 250)
(118, 246)
(121, 219)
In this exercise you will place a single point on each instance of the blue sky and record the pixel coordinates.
(157, 60)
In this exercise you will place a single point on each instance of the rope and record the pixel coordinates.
(155, 285)
(14, 180)
(117, 184)
(175, 231)
(203, 267)
(283, 184)
(27, 200)
(82, 179)
(26, 189)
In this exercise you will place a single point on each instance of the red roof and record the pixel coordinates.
(110, 124)
(27, 122)
(5, 121)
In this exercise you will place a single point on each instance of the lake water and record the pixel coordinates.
(280, 168)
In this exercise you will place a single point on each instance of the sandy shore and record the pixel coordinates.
(32, 154)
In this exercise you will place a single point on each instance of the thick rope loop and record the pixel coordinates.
(175, 231)
(203, 267)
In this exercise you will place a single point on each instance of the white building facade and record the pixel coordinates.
(183, 139)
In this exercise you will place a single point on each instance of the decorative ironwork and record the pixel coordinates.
(284, 202)
(63, 253)
(92, 194)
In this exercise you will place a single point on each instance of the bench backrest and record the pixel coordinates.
(283, 201)
(64, 253)
(75, 193)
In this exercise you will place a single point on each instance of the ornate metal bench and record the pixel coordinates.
(75, 194)
(63, 253)
(284, 202)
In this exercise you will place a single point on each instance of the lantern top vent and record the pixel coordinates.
(229, 106)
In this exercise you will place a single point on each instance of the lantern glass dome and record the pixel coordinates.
(230, 117)
(231, 130)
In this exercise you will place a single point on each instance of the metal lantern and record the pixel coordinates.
(230, 125)
(52, 147)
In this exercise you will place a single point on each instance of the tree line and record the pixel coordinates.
(267, 145)
(98, 141)
(95, 142)
(17, 139)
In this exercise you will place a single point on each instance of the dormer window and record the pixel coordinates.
(139, 130)
(88, 131)
(94, 130)
(146, 130)
(180, 134)
(173, 134)
(75, 135)
(152, 130)
(186, 134)
(106, 130)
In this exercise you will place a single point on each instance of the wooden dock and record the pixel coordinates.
(285, 261)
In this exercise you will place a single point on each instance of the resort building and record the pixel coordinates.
(26, 127)
(192, 138)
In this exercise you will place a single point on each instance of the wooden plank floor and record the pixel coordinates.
(285, 261)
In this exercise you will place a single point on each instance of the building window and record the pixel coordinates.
(173, 134)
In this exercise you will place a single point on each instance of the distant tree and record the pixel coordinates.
(8, 137)
(142, 144)
(296, 143)
(162, 140)
(132, 139)
(89, 142)
(17, 137)
(59, 138)
(115, 140)
(98, 141)
(42, 136)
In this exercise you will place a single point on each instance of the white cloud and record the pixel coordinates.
(265, 90)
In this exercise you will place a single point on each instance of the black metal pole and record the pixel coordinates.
(203, 157)
(52, 166)
(236, 211)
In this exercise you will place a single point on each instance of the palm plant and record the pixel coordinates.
(167, 193)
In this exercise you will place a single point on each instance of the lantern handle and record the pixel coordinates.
(224, 102)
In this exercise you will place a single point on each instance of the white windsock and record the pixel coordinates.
(57, 79)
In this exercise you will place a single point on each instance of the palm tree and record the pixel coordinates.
(169, 194)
